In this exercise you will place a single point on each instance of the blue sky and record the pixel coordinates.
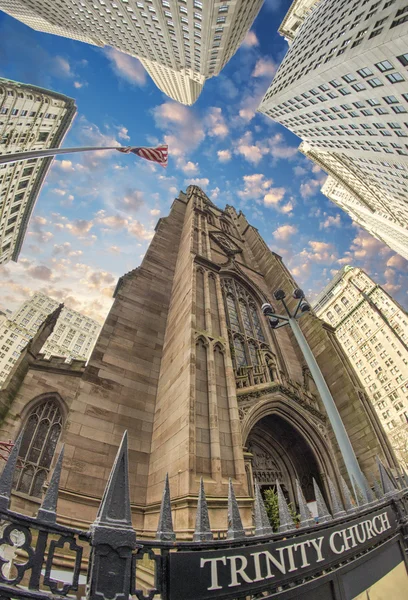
(96, 213)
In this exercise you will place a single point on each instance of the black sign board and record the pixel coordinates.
(210, 574)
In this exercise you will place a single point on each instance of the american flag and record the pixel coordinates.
(158, 154)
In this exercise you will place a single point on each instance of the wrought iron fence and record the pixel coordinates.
(40, 559)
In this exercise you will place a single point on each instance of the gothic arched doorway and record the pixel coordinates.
(280, 452)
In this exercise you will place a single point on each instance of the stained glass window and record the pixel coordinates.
(41, 434)
(232, 313)
(245, 318)
(257, 325)
(240, 357)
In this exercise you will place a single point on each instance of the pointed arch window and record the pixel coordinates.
(41, 434)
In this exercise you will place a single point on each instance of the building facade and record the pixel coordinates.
(343, 89)
(297, 13)
(31, 118)
(373, 331)
(205, 388)
(73, 337)
(380, 224)
(181, 43)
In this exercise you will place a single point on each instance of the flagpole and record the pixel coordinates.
(19, 156)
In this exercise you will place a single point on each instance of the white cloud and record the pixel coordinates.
(202, 183)
(126, 67)
(123, 133)
(274, 196)
(224, 155)
(214, 193)
(215, 123)
(79, 84)
(255, 186)
(155, 212)
(331, 222)
(284, 232)
(265, 67)
(63, 67)
(189, 168)
(184, 131)
(250, 40)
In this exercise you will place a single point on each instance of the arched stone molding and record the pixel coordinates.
(32, 404)
(313, 431)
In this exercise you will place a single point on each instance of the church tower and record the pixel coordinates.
(188, 365)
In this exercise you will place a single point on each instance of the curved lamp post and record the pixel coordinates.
(276, 321)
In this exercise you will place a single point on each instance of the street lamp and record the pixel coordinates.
(276, 321)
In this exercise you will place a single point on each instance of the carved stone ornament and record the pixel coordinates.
(225, 243)
(287, 392)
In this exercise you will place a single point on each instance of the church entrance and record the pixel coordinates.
(280, 452)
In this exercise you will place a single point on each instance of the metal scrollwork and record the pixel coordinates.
(157, 579)
(16, 537)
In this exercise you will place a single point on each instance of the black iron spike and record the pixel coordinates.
(361, 496)
(377, 487)
(322, 511)
(350, 503)
(338, 509)
(286, 522)
(48, 510)
(165, 531)
(262, 524)
(202, 531)
(306, 519)
(235, 528)
(368, 491)
(387, 484)
(6, 478)
(115, 504)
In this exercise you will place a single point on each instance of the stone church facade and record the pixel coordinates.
(188, 365)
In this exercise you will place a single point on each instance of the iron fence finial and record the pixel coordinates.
(306, 519)
(262, 524)
(165, 531)
(338, 509)
(285, 520)
(202, 531)
(235, 528)
(322, 511)
(6, 478)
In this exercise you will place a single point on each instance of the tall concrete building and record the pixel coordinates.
(205, 388)
(380, 224)
(348, 63)
(73, 337)
(180, 43)
(373, 331)
(31, 118)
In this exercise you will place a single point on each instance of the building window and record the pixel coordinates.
(383, 66)
(395, 77)
(41, 434)
(403, 59)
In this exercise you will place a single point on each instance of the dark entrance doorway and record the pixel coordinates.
(281, 453)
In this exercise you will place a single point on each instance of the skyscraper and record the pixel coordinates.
(343, 88)
(31, 118)
(379, 223)
(187, 363)
(181, 43)
(373, 331)
(73, 337)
